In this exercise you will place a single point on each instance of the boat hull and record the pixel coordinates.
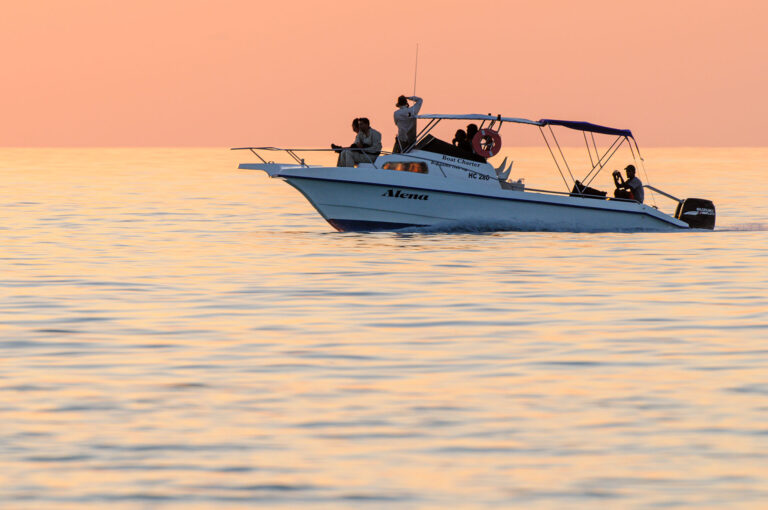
(369, 206)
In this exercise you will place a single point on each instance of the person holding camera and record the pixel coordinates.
(632, 188)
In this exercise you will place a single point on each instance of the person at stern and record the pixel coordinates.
(632, 188)
(366, 148)
(405, 120)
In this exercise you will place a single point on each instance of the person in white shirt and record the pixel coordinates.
(366, 148)
(632, 188)
(338, 148)
(405, 120)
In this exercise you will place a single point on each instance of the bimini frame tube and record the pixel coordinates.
(600, 163)
(607, 155)
(554, 158)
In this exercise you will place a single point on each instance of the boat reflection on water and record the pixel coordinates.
(433, 182)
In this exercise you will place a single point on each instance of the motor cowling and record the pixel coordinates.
(697, 213)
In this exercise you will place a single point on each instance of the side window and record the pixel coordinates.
(407, 166)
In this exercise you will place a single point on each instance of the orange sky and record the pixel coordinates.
(247, 72)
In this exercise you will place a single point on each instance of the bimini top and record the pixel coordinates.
(585, 126)
(477, 116)
(571, 124)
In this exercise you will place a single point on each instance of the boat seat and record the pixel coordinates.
(580, 190)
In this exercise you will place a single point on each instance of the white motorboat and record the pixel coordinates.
(433, 183)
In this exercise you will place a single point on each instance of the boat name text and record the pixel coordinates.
(400, 194)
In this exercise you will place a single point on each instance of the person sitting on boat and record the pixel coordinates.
(366, 148)
(472, 130)
(339, 148)
(461, 141)
(355, 128)
(632, 188)
(405, 120)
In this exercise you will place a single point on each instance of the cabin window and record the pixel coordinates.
(406, 166)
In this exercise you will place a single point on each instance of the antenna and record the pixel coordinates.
(415, 69)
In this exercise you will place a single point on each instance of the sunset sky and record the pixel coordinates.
(242, 72)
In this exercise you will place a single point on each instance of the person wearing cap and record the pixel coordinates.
(405, 120)
(633, 185)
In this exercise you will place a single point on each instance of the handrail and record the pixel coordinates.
(657, 190)
(300, 161)
(298, 150)
(582, 195)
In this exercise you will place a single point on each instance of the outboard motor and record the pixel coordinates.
(697, 213)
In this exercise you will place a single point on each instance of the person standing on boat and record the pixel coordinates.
(633, 185)
(366, 148)
(405, 120)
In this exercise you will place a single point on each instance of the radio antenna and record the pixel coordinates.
(415, 69)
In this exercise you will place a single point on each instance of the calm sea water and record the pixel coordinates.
(176, 333)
